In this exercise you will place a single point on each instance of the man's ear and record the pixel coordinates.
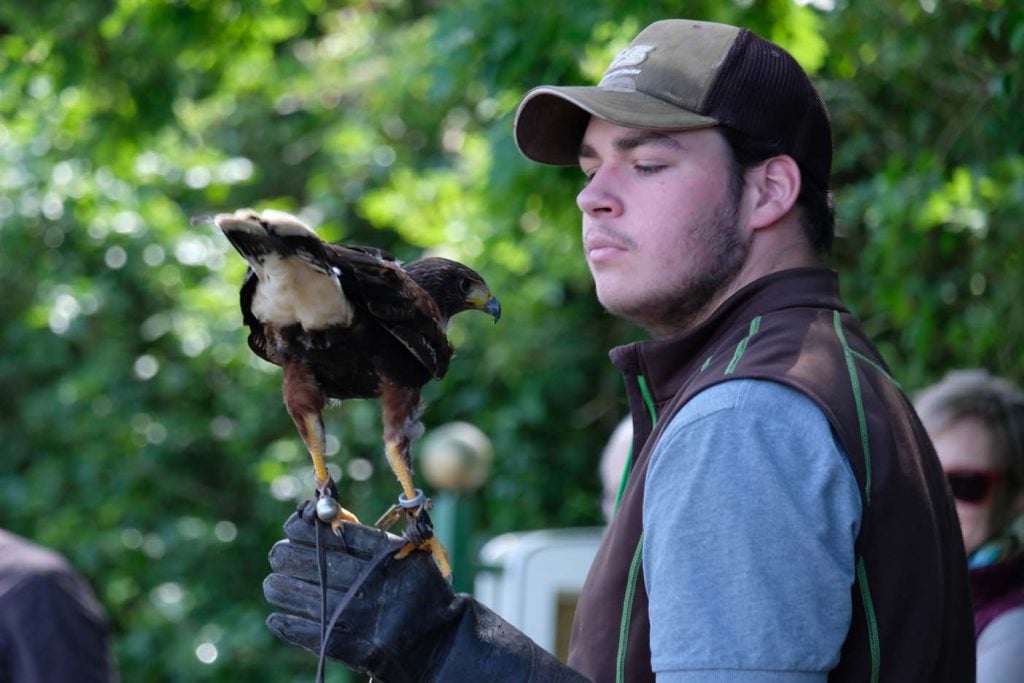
(775, 184)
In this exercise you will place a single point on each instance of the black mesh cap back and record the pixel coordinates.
(762, 92)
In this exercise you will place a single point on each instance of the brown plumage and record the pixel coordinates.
(348, 322)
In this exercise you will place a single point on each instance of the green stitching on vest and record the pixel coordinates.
(741, 348)
(646, 393)
(858, 400)
(706, 363)
(623, 479)
(876, 366)
(627, 609)
(862, 572)
(869, 609)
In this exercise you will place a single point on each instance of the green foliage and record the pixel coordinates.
(930, 180)
(138, 434)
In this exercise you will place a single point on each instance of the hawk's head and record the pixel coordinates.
(454, 286)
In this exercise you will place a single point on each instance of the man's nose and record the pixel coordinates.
(599, 196)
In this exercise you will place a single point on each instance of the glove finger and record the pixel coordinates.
(355, 651)
(300, 561)
(296, 630)
(302, 599)
(294, 596)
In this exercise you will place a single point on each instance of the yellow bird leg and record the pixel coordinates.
(315, 444)
(397, 461)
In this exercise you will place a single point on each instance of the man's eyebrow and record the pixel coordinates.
(631, 141)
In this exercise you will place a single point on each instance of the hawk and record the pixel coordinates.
(349, 322)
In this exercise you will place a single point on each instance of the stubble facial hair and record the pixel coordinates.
(716, 234)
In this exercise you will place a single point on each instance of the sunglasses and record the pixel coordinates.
(972, 486)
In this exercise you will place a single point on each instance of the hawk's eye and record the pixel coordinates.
(465, 284)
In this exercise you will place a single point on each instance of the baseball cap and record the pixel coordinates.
(680, 74)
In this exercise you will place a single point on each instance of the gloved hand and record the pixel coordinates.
(404, 623)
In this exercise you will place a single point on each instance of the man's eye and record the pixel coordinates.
(648, 169)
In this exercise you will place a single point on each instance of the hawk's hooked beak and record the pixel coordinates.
(493, 306)
(482, 300)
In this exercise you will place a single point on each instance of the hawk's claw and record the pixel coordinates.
(419, 532)
(433, 545)
(326, 508)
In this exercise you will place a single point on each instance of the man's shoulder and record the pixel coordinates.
(807, 348)
(751, 396)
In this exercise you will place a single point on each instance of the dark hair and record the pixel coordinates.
(818, 216)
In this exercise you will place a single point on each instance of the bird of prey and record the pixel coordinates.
(350, 322)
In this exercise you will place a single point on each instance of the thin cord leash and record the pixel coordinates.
(418, 532)
(326, 627)
(321, 566)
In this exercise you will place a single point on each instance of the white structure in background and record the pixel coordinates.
(533, 580)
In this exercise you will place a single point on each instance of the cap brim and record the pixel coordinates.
(550, 121)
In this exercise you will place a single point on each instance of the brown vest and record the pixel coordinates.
(912, 617)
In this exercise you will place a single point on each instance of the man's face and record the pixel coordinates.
(660, 222)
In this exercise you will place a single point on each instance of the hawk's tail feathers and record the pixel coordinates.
(256, 235)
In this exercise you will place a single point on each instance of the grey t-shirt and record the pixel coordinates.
(750, 514)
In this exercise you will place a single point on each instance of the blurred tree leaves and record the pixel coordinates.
(138, 434)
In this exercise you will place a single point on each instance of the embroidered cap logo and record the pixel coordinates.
(621, 71)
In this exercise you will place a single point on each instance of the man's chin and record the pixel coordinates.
(631, 311)
(616, 305)
(659, 319)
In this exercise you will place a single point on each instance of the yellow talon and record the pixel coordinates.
(327, 508)
(343, 516)
(440, 556)
(436, 549)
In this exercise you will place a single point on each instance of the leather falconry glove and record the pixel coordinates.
(403, 623)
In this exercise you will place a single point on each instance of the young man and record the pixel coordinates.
(784, 517)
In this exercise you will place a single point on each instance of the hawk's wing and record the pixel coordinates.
(381, 294)
(320, 256)
(395, 302)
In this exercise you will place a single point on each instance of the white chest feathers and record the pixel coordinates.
(290, 292)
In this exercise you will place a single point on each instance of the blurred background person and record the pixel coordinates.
(976, 421)
(614, 458)
(52, 628)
